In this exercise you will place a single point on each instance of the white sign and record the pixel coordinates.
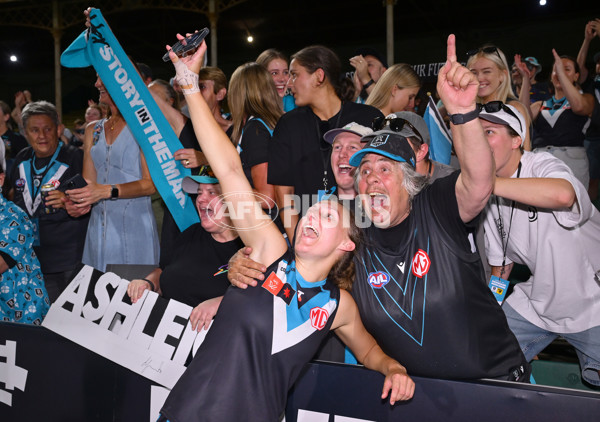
(12, 375)
(152, 337)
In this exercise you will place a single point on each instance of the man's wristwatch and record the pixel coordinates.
(459, 119)
(368, 84)
(114, 192)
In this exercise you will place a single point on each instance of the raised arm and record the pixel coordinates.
(245, 212)
(457, 88)
(592, 29)
(582, 104)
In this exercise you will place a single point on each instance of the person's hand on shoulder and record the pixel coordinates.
(243, 271)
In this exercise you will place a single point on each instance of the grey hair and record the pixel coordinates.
(412, 181)
(40, 108)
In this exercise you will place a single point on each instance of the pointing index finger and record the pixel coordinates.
(451, 49)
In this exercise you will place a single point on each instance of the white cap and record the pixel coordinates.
(502, 117)
(353, 127)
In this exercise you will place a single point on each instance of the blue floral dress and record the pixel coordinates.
(23, 296)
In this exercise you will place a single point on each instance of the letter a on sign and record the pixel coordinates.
(421, 263)
(318, 318)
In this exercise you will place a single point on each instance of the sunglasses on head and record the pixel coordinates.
(488, 50)
(496, 106)
(394, 123)
(206, 171)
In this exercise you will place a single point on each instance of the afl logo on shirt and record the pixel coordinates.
(378, 279)
(318, 318)
(421, 263)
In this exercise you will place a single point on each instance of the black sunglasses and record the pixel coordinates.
(396, 124)
(205, 170)
(488, 50)
(496, 106)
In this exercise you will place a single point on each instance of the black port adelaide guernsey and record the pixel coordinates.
(421, 293)
(259, 341)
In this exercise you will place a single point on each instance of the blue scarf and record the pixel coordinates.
(98, 47)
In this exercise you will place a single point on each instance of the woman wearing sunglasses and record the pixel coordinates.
(263, 335)
(532, 220)
(560, 122)
(489, 65)
(196, 279)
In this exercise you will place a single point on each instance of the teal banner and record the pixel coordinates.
(97, 46)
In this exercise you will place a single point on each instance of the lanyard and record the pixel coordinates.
(500, 226)
(33, 170)
(326, 157)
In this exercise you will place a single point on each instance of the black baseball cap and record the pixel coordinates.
(366, 51)
(388, 143)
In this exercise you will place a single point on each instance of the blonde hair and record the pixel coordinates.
(504, 91)
(252, 93)
(269, 55)
(401, 75)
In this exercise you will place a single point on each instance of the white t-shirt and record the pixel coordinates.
(560, 247)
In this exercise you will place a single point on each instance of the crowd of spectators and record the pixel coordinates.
(529, 158)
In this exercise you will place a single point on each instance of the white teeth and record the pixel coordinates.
(310, 231)
(344, 168)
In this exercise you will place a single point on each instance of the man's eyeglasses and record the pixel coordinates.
(488, 50)
(395, 124)
(496, 106)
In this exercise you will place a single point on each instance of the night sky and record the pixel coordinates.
(421, 28)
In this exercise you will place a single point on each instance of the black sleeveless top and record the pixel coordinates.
(259, 341)
(557, 125)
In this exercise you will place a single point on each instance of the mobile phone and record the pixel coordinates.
(74, 182)
(188, 45)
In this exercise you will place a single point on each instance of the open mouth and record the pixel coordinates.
(310, 231)
(378, 200)
(208, 212)
(345, 168)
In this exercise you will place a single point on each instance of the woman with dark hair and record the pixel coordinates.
(277, 64)
(255, 109)
(299, 157)
(262, 336)
(559, 123)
